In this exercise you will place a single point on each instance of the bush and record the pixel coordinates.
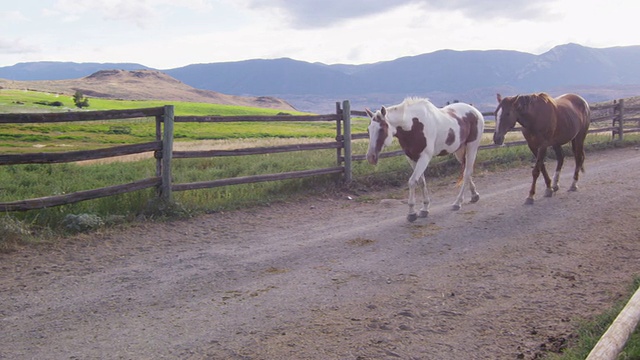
(119, 130)
(12, 232)
(82, 223)
(50, 103)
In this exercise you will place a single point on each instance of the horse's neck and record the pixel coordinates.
(396, 118)
(528, 121)
(402, 116)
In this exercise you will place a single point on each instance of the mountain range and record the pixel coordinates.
(472, 76)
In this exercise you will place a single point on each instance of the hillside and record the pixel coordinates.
(472, 76)
(142, 85)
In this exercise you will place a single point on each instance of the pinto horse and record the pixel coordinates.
(425, 131)
(546, 122)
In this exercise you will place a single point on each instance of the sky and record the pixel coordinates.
(167, 34)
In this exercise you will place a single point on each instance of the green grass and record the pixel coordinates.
(589, 332)
(52, 137)
(24, 101)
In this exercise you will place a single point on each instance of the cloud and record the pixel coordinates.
(16, 47)
(314, 14)
(12, 16)
(142, 13)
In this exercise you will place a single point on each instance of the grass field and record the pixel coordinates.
(51, 137)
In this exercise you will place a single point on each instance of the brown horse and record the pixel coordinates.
(546, 122)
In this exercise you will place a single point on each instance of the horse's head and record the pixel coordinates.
(506, 117)
(379, 134)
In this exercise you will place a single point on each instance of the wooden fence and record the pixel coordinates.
(612, 118)
(164, 154)
(162, 115)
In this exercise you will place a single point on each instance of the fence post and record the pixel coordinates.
(618, 117)
(339, 137)
(614, 339)
(346, 118)
(167, 152)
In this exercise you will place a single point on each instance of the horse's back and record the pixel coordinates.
(470, 120)
(573, 115)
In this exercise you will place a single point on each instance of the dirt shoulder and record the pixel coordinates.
(334, 278)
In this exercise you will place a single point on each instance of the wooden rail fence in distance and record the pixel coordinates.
(617, 117)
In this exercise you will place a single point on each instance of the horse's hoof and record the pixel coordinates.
(455, 207)
(423, 214)
(556, 188)
(412, 217)
(573, 188)
(475, 198)
(529, 201)
(548, 192)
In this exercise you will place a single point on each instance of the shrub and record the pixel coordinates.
(82, 223)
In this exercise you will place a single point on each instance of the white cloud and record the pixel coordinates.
(304, 14)
(13, 16)
(16, 46)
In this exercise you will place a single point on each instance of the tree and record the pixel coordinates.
(80, 100)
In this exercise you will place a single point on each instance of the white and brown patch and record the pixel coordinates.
(468, 127)
(413, 141)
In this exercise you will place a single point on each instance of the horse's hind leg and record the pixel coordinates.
(471, 160)
(578, 151)
(467, 159)
(556, 176)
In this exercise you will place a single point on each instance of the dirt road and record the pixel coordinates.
(334, 278)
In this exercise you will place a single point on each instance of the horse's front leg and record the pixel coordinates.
(418, 174)
(532, 192)
(548, 192)
(537, 169)
(556, 176)
(426, 200)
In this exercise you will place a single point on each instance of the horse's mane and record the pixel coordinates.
(413, 100)
(523, 101)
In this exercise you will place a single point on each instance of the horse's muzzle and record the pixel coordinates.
(498, 139)
(372, 159)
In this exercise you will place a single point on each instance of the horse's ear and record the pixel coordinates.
(383, 110)
(368, 112)
(499, 97)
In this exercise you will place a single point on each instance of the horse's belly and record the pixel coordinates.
(444, 149)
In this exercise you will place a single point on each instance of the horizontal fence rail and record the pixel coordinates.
(50, 201)
(50, 158)
(79, 116)
(614, 118)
